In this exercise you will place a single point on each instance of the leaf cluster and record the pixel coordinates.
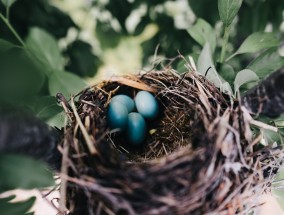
(20, 172)
(32, 64)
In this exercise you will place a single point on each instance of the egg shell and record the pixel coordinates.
(117, 115)
(126, 100)
(146, 105)
(136, 128)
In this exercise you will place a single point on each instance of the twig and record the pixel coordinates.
(257, 123)
(64, 170)
(132, 83)
(86, 136)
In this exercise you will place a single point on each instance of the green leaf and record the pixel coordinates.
(8, 3)
(20, 78)
(182, 63)
(267, 63)
(46, 107)
(202, 32)
(58, 120)
(279, 121)
(181, 68)
(228, 9)
(7, 199)
(243, 77)
(5, 46)
(277, 187)
(65, 83)
(258, 41)
(206, 67)
(271, 137)
(280, 174)
(22, 172)
(16, 208)
(227, 72)
(45, 49)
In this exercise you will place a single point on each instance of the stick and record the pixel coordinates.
(267, 98)
(86, 136)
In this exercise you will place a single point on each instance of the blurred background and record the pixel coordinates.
(67, 44)
(50, 46)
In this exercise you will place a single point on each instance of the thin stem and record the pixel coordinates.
(6, 21)
(233, 55)
(225, 43)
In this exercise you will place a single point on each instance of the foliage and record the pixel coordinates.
(31, 173)
(25, 173)
(18, 208)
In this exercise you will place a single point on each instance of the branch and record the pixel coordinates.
(267, 98)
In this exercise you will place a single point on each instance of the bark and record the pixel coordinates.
(267, 98)
(23, 133)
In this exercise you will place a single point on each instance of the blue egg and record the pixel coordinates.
(126, 100)
(117, 115)
(146, 105)
(136, 128)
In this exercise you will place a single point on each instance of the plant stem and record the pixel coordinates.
(225, 43)
(233, 55)
(6, 21)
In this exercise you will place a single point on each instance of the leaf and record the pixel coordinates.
(227, 72)
(47, 107)
(228, 9)
(20, 78)
(57, 121)
(65, 83)
(266, 63)
(271, 137)
(16, 208)
(202, 32)
(17, 171)
(183, 62)
(8, 3)
(277, 187)
(7, 199)
(279, 121)
(243, 77)
(45, 49)
(258, 41)
(5, 46)
(206, 67)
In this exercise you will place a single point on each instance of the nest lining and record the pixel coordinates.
(200, 159)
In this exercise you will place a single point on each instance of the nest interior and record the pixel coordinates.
(200, 156)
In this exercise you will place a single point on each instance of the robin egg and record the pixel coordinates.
(146, 105)
(117, 115)
(136, 128)
(126, 100)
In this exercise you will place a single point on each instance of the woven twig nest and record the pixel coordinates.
(200, 156)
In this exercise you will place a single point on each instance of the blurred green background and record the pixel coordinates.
(99, 38)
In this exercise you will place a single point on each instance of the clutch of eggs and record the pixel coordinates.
(121, 115)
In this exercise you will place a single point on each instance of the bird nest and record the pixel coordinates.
(200, 156)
